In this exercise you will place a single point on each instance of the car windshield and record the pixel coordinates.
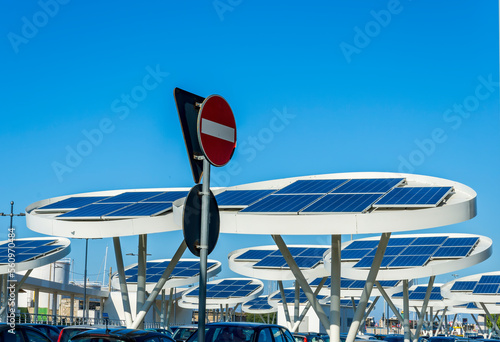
(227, 334)
(183, 333)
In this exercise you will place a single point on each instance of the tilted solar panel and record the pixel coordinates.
(240, 198)
(460, 242)
(375, 185)
(281, 204)
(94, 211)
(71, 203)
(452, 252)
(414, 196)
(342, 203)
(141, 209)
(463, 286)
(168, 196)
(312, 186)
(253, 255)
(132, 197)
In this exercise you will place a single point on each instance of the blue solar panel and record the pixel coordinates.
(353, 254)
(460, 242)
(367, 261)
(416, 296)
(168, 196)
(290, 296)
(429, 240)
(421, 289)
(229, 289)
(186, 273)
(30, 243)
(419, 250)
(141, 209)
(400, 241)
(409, 261)
(316, 282)
(463, 286)
(344, 283)
(472, 306)
(25, 250)
(357, 285)
(240, 198)
(489, 279)
(72, 203)
(131, 197)
(345, 203)
(393, 250)
(307, 262)
(253, 255)
(93, 211)
(294, 251)
(239, 282)
(312, 186)
(314, 251)
(452, 252)
(486, 289)
(259, 303)
(377, 185)
(271, 262)
(362, 244)
(281, 204)
(389, 283)
(414, 196)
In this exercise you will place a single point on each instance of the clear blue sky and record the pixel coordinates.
(316, 87)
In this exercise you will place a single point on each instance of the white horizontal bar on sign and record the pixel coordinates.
(217, 130)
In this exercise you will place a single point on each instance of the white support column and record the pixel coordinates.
(424, 306)
(163, 309)
(441, 320)
(296, 304)
(308, 305)
(101, 306)
(285, 305)
(123, 283)
(164, 277)
(5, 298)
(72, 308)
(353, 304)
(454, 321)
(372, 276)
(477, 323)
(389, 302)
(406, 308)
(171, 301)
(335, 288)
(37, 304)
(54, 308)
(370, 308)
(299, 277)
(141, 275)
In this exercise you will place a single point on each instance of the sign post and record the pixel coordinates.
(216, 138)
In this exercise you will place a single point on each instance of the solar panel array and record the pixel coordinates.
(25, 250)
(305, 257)
(228, 288)
(290, 296)
(336, 196)
(418, 293)
(259, 303)
(155, 269)
(487, 284)
(124, 205)
(409, 251)
(350, 284)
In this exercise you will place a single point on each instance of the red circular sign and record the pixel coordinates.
(217, 130)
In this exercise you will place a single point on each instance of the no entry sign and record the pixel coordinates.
(217, 130)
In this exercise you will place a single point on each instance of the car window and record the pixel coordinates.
(35, 336)
(279, 336)
(288, 336)
(265, 335)
(8, 337)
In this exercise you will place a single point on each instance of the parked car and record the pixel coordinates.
(394, 338)
(183, 332)
(308, 337)
(68, 332)
(161, 331)
(51, 331)
(441, 339)
(21, 333)
(120, 335)
(244, 332)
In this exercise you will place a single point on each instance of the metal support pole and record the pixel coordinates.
(372, 276)
(164, 277)
(406, 308)
(285, 305)
(442, 319)
(85, 312)
(389, 302)
(123, 282)
(299, 277)
(296, 304)
(162, 306)
(72, 308)
(141, 274)
(205, 209)
(424, 306)
(170, 306)
(454, 321)
(54, 308)
(431, 321)
(370, 308)
(308, 305)
(477, 323)
(492, 320)
(353, 304)
(37, 303)
(335, 264)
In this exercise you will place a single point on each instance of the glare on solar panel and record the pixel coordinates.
(131, 197)
(71, 203)
(312, 186)
(32, 243)
(409, 261)
(281, 204)
(240, 198)
(168, 196)
(463, 286)
(460, 242)
(413, 197)
(93, 211)
(253, 255)
(141, 209)
(342, 203)
(376, 185)
(452, 252)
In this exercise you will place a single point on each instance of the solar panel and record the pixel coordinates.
(229, 289)
(414, 197)
(253, 255)
(409, 261)
(307, 262)
(345, 203)
(290, 296)
(271, 262)
(353, 254)
(489, 279)
(141, 209)
(452, 252)
(472, 306)
(27, 249)
(460, 242)
(131, 197)
(400, 241)
(71, 203)
(429, 240)
(259, 303)
(344, 283)
(367, 261)
(357, 285)
(393, 251)
(312, 186)
(419, 250)
(294, 251)
(314, 251)
(281, 204)
(240, 198)
(154, 270)
(362, 244)
(316, 282)
(486, 289)
(168, 196)
(30, 243)
(376, 185)
(93, 211)
(389, 283)
(463, 286)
